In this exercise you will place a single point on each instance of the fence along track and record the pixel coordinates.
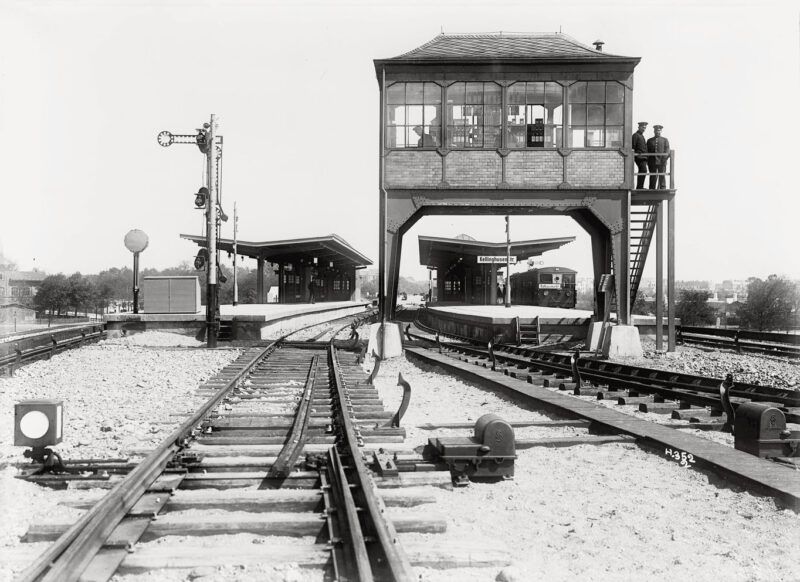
(18, 351)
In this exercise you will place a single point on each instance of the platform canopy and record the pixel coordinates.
(331, 248)
(503, 47)
(433, 250)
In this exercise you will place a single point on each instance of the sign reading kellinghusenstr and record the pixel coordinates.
(496, 259)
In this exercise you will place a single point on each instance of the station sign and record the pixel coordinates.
(496, 259)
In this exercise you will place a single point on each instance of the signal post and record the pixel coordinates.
(211, 145)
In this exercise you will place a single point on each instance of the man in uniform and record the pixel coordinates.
(640, 147)
(658, 164)
(425, 139)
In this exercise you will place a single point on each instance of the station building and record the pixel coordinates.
(467, 269)
(329, 261)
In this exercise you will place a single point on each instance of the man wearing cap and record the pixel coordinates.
(640, 147)
(658, 163)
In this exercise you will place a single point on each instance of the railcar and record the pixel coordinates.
(548, 287)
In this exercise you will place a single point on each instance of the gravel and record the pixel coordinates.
(611, 512)
(120, 396)
(747, 368)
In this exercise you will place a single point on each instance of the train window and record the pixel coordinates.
(412, 115)
(474, 115)
(337, 285)
(596, 112)
(546, 278)
(534, 115)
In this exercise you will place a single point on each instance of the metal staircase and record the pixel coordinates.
(643, 224)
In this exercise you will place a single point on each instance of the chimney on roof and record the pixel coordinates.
(598, 45)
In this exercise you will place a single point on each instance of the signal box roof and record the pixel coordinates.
(433, 250)
(325, 248)
(503, 47)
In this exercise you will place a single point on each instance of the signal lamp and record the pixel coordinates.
(200, 259)
(38, 423)
(200, 197)
(202, 140)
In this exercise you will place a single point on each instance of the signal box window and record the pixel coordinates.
(534, 115)
(410, 106)
(474, 115)
(596, 114)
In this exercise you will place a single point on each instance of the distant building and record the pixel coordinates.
(694, 285)
(19, 286)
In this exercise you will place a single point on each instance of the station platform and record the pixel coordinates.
(500, 323)
(247, 321)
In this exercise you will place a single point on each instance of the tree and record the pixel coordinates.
(79, 292)
(640, 306)
(52, 295)
(693, 309)
(771, 304)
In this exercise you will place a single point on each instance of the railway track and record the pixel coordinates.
(288, 450)
(17, 351)
(540, 383)
(687, 396)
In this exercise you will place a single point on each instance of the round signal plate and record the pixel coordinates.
(34, 424)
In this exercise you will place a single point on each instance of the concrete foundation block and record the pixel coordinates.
(388, 346)
(594, 339)
(622, 341)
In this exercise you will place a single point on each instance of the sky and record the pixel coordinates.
(85, 87)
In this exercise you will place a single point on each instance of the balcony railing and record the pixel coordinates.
(668, 176)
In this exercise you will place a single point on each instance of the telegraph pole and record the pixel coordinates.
(235, 252)
(508, 261)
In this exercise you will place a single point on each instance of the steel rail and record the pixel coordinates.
(397, 562)
(357, 317)
(360, 567)
(743, 334)
(601, 371)
(284, 463)
(66, 559)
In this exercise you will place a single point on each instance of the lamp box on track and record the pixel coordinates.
(38, 423)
